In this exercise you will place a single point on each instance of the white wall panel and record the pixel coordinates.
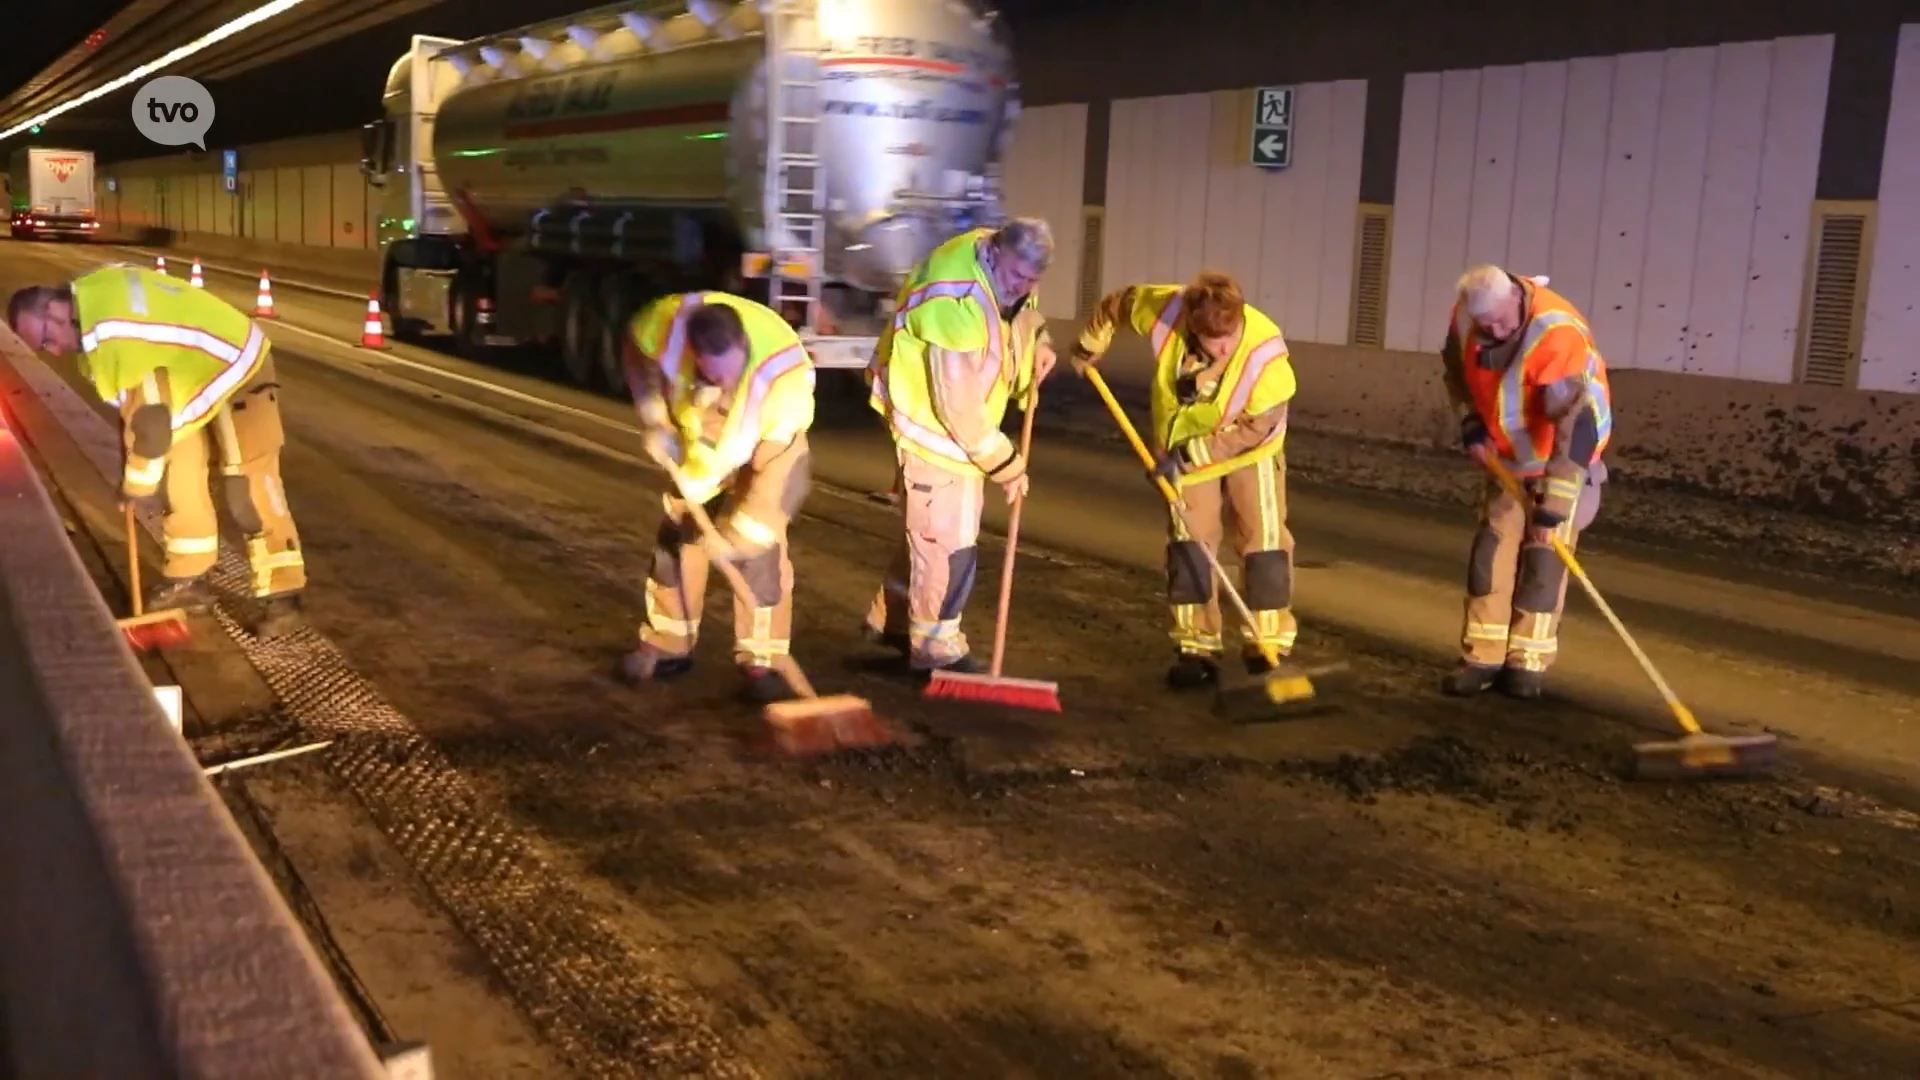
(1633, 128)
(1667, 194)
(1889, 355)
(1583, 165)
(1452, 201)
(1182, 196)
(1789, 169)
(1673, 219)
(1737, 131)
(1343, 149)
(1045, 177)
(1296, 301)
(1495, 165)
(1543, 104)
(1412, 210)
(1122, 238)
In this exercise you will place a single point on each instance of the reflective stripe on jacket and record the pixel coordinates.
(1256, 379)
(134, 322)
(945, 356)
(1555, 345)
(773, 401)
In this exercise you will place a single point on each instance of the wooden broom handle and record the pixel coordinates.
(1013, 533)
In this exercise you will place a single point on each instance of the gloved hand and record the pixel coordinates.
(1546, 518)
(1082, 360)
(149, 503)
(1169, 466)
(1473, 432)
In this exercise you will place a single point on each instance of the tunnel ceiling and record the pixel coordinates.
(316, 68)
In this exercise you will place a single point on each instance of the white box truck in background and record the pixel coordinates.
(52, 193)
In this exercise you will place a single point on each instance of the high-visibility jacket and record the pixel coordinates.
(160, 349)
(1555, 350)
(714, 437)
(1257, 379)
(949, 362)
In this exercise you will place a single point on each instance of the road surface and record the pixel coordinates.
(1411, 886)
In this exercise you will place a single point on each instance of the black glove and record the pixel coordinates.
(1170, 466)
(1473, 431)
(1543, 518)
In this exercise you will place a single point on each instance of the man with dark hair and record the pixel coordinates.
(195, 384)
(1222, 382)
(725, 393)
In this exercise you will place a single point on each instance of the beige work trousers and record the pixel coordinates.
(677, 591)
(1252, 500)
(933, 571)
(245, 438)
(1516, 586)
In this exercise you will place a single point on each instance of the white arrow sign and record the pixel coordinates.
(1272, 145)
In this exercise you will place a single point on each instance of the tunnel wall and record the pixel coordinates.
(1356, 268)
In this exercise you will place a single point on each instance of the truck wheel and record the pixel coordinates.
(616, 308)
(580, 334)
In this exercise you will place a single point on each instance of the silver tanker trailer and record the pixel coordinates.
(537, 186)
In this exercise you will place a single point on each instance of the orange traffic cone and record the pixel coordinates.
(160, 263)
(194, 279)
(373, 335)
(263, 303)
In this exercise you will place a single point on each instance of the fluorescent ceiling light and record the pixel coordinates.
(214, 37)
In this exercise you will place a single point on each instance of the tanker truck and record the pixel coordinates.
(535, 187)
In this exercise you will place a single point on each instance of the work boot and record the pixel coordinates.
(885, 639)
(964, 664)
(1469, 679)
(1523, 684)
(188, 594)
(284, 614)
(650, 663)
(765, 685)
(1193, 671)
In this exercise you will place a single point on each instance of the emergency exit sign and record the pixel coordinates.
(1273, 127)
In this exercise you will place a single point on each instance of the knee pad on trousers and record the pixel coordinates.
(1541, 575)
(1486, 547)
(1189, 576)
(666, 554)
(1269, 580)
(762, 575)
(239, 497)
(799, 483)
(962, 565)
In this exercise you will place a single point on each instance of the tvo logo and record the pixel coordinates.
(174, 110)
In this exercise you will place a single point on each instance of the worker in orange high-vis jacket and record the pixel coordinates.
(194, 381)
(725, 394)
(967, 338)
(1530, 388)
(1221, 385)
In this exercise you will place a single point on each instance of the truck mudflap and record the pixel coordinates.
(839, 351)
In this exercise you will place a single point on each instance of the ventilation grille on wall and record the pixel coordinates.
(1093, 220)
(1370, 242)
(1836, 293)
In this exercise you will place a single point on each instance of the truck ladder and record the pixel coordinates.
(796, 182)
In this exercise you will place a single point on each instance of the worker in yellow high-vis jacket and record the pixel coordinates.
(725, 393)
(1221, 384)
(194, 380)
(967, 337)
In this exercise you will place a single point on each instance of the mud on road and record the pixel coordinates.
(1412, 886)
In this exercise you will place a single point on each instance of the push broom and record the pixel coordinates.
(1695, 754)
(1287, 689)
(812, 724)
(160, 629)
(995, 687)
